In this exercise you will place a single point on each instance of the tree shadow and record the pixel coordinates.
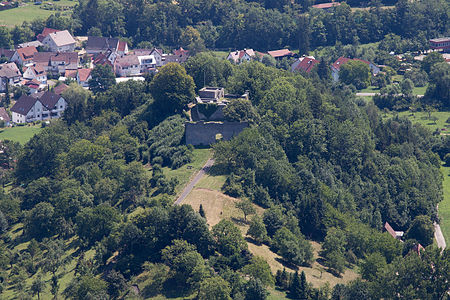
(286, 264)
(215, 170)
(239, 221)
(253, 241)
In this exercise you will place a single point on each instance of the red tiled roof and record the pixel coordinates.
(60, 88)
(26, 53)
(180, 51)
(389, 229)
(121, 46)
(33, 84)
(306, 64)
(83, 74)
(326, 5)
(40, 37)
(280, 53)
(70, 74)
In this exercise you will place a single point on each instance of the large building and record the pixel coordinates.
(440, 44)
(38, 107)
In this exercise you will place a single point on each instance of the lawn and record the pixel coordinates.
(370, 89)
(19, 134)
(184, 173)
(17, 16)
(422, 118)
(444, 206)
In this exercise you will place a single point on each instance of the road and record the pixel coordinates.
(440, 240)
(188, 188)
(439, 236)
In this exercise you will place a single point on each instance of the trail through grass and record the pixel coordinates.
(444, 206)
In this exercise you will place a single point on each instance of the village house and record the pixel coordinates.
(30, 44)
(83, 77)
(24, 56)
(280, 54)
(326, 6)
(4, 116)
(395, 234)
(104, 59)
(239, 56)
(46, 31)
(60, 88)
(440, 44)
(35, 72)
(60, 41)
(9, 74)
(42, 106)
(304, 64)
(8, 54)
(336, 66)
(32, 85)
(133, 65)
(97, 45)
(60, 62)
(158, 54)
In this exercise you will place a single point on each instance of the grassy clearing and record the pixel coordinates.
(444, 206)
(422, 118)
(184, 173)
(30, 12)
(370, 89)
(19, 134)
(220, 54)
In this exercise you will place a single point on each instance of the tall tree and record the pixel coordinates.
(172, 89)
(102, 79)
(304, 34)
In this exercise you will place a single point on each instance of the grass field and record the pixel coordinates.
(444, 206)
(17, 16)
(184, 173)
(422, 118)
(374, 89)
(19, 134)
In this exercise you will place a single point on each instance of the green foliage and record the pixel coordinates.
(355, 72)
(40, 221)
(77, 102)
(372, 265)
(257, 230)
(431, 60)
(255, 290)
(422, 230)
(208, 70)
(165, 141)
(246, 206)
(102, 79)
(86, 287)
(214, 288)
(259, 269)
(239, 110)
(95, 223)
(295, 249)
(228, 237)
(172, 88)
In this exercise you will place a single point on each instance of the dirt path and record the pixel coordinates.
(194, 181)
(439, 236)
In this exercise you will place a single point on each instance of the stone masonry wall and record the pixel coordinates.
(204, 133)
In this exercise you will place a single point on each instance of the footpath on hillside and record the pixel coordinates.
(194, 181)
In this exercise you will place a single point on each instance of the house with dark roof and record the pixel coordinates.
(41, 107)
(6, 53)
(60, 41)
(280, 54)
(304, 64)
(9, 74)
(24, 56)
(98, 44)
(336, 66)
